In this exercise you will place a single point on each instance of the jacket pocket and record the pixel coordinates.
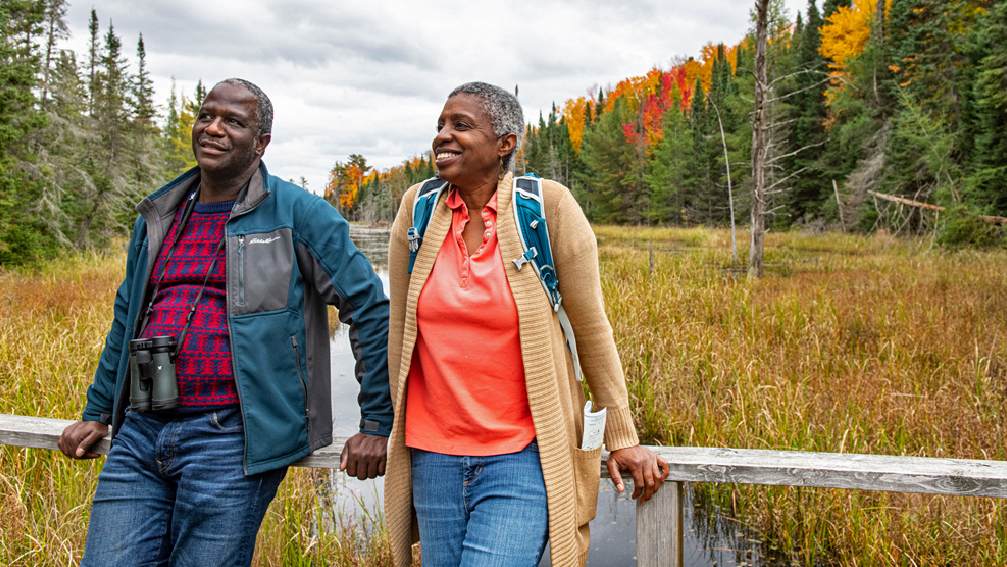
(587, 473)
(300, 370)
(260, 269)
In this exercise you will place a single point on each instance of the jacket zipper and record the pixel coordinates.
(300, 373)
(241, 270)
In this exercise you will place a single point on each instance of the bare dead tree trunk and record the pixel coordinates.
(878, 33)
(760, 141)
(730, 193)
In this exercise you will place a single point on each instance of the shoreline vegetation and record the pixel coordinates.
(850, 343)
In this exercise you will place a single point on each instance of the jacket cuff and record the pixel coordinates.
(91, 414)
(380, 427)
(620, 432)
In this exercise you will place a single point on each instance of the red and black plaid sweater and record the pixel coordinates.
(203, 368)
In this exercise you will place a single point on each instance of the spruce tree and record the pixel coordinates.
(670, 173)
(987, 182)
(23, 237)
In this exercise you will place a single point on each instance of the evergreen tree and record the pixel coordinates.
(833, 5)
(670, 172)
(611, 175)
(23, 236)
(809, 187)
(987, 182)
(55, 30)
(92, 85)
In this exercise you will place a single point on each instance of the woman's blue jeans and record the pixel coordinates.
(173, 492)
(480, 511)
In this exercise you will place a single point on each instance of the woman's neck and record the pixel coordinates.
(476, 195)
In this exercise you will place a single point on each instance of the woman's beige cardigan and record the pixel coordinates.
(556, 399)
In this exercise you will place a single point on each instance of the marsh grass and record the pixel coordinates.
(54, 322)
(849, 344)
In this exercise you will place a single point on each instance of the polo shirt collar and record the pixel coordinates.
(454, 200)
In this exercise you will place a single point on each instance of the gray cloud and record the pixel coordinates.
(371, 77)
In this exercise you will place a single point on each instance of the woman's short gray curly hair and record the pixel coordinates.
(504, 111)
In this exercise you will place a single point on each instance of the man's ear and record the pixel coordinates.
(261, 143)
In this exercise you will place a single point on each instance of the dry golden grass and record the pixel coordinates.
(54, 323)
(850, 344)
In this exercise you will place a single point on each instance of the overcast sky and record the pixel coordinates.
(371, 77)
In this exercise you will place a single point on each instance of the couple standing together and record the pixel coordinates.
(471, 403)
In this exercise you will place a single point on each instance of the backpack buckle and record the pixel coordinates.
(529, 255)
(414, 239)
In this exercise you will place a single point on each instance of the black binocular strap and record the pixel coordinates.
(189, 206)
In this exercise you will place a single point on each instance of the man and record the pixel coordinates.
(237, 266)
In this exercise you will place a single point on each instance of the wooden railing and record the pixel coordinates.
(659, 525)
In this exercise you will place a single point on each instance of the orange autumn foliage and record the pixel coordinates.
(845, 34)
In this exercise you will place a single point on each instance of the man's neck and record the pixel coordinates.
(216, 190)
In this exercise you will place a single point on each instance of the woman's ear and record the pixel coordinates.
(506, 145)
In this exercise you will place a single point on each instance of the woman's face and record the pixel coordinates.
(466, 149)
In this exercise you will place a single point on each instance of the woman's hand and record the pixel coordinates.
(648, 471)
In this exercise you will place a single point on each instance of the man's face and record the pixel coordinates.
(225, 135)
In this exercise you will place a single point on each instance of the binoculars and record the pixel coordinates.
(153, 385)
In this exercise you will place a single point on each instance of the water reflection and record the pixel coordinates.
(711, 539)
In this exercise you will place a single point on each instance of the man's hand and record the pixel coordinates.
(648, 470)
(364, 456)
(78, 438)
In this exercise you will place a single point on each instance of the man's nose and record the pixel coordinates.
(214, 128)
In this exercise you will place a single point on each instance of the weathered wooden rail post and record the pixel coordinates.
(660, 528)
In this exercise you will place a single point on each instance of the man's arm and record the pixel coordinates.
(344, 277)
(77, 439)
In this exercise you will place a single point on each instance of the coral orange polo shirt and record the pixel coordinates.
(466, 390)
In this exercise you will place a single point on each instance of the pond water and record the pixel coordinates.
(710, 539)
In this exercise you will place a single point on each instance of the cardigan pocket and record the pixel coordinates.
(587, 471)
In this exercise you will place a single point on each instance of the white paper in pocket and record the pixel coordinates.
(594, 428)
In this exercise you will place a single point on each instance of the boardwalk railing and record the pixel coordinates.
(659, 528)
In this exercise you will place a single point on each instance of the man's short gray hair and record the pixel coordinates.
(263, 108)
(504, 111)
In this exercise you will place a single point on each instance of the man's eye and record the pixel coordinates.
(440, 126)
(234, 121)
(203, 116)
(462, 125)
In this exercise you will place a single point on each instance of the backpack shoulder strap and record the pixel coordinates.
(423, 209)
(529, 212)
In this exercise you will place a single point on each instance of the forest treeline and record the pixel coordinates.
(910, 104)
(81, 138)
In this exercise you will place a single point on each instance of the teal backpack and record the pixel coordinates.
(529, 210)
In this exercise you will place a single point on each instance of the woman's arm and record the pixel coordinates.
(575, 251)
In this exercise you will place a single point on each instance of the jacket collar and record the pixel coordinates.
(165, 200)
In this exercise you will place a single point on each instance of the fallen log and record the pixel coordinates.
(992, 219)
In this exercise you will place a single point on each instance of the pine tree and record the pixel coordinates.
(809, 188)
(833, 5)
(55, 30)
(611, 175)
(987, 182)
(22, 234)
(92, 85)
(142, 89)
(670, 172)
(110, 204)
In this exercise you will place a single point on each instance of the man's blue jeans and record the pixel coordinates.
(173, 492)
(480, 511)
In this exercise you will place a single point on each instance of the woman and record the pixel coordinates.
(485, 448)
